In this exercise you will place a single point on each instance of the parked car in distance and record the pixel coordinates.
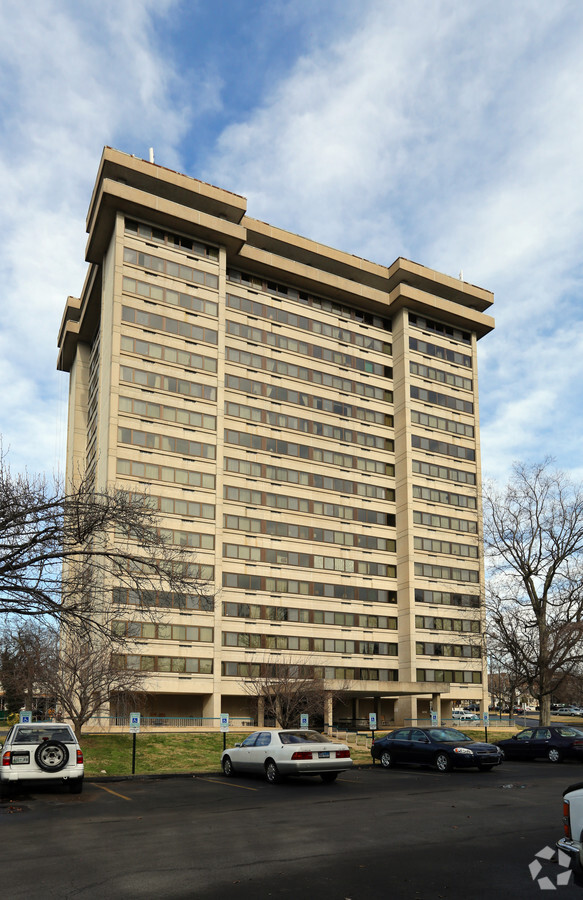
(41, 752)
(277, 753)
(465, 715)
(572, 841)
(444, 748)
(569, 711)
(553, 742)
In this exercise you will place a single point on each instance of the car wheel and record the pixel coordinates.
(76, 785)
(228, 768)
(554, 755)
(442, 762)
(51, 756)
(329, 777)
(386, 759)
(272, 773)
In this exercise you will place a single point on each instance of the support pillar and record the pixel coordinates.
(328, 713)
(261, 712)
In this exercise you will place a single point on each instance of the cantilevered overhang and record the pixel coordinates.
(113, 196)
(158, 181)
(433, 282)
(406, 297)
(80, 319)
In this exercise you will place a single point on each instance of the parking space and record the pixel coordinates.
(408, 832)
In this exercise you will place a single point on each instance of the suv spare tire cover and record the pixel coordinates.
(51, 756)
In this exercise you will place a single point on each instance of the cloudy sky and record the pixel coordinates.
(440, 130)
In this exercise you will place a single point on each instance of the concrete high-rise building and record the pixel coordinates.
(308, 423)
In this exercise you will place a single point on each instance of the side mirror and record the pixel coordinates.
(237, 745)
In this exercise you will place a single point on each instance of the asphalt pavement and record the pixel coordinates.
(404, 833)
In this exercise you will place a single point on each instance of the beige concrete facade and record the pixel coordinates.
(309, 423)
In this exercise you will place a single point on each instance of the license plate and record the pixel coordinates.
(324, 754)
(20, 759)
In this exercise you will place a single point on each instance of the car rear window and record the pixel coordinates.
(302, 737)
(35, 735)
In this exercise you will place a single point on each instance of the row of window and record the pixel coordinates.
(307, 644)
(357, 594)
(315, 351)
(434, 470)
(188, 539)
(309, 479)
(446, 676)
(453, 356)
(122, 596)
(426, 570)
(431, 546)
(160, 632)
(170, 239)
(325, 404)
(308, 533)
(467, 651)
(306, 451)
(190, 302)
(332, 306)
(304, 504)
(171, 355)
(446, 598)
(155, 381)
(170, 268)
(284, 317)
(330, 673)
(168, 474)
(177, 507)
(156, 322)
(174, 664)
(166, 443)
(190, 419)
(302, 373)
(438, 623)
(441, 424)
(457, 403)
(196, 571)
(452, 524)
(433, 446)
(307, 426)
(308, 616)
(436, 496)
(440, 328)
(433, 374)
(307, 560)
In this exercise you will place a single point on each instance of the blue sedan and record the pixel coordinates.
(444, 748)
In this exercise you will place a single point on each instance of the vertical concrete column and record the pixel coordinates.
(436, 706)
(211, 707)
(328, 712)
(260, 712)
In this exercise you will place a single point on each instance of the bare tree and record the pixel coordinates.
(67, 551)
(288, 688)
(533, 532)
(25, 647)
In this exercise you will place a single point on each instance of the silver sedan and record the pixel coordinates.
(280, 752)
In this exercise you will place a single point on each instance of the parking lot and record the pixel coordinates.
(404, 833)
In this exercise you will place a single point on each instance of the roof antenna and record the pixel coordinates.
(151, 154)
(460, 276)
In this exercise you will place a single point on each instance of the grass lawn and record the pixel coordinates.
(111, 754)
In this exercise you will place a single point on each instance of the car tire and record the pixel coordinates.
(554, 755)
(442, 762)
(386, 760)
(228, 768)
(272, 773)
(329, 777)
(51, 756)
(76, 785)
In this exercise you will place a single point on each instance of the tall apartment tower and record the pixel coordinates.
(308, 422)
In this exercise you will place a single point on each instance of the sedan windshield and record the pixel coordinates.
(302, 737)
(447, 734)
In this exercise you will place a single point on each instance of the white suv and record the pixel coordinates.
(41, 752)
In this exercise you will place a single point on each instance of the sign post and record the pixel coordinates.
(134, 729)
(433, 718)
(224, 725)
(486, 717)
(372, 724)
(25, 717)
(304, 719)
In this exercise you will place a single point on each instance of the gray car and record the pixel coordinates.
(276, 753)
